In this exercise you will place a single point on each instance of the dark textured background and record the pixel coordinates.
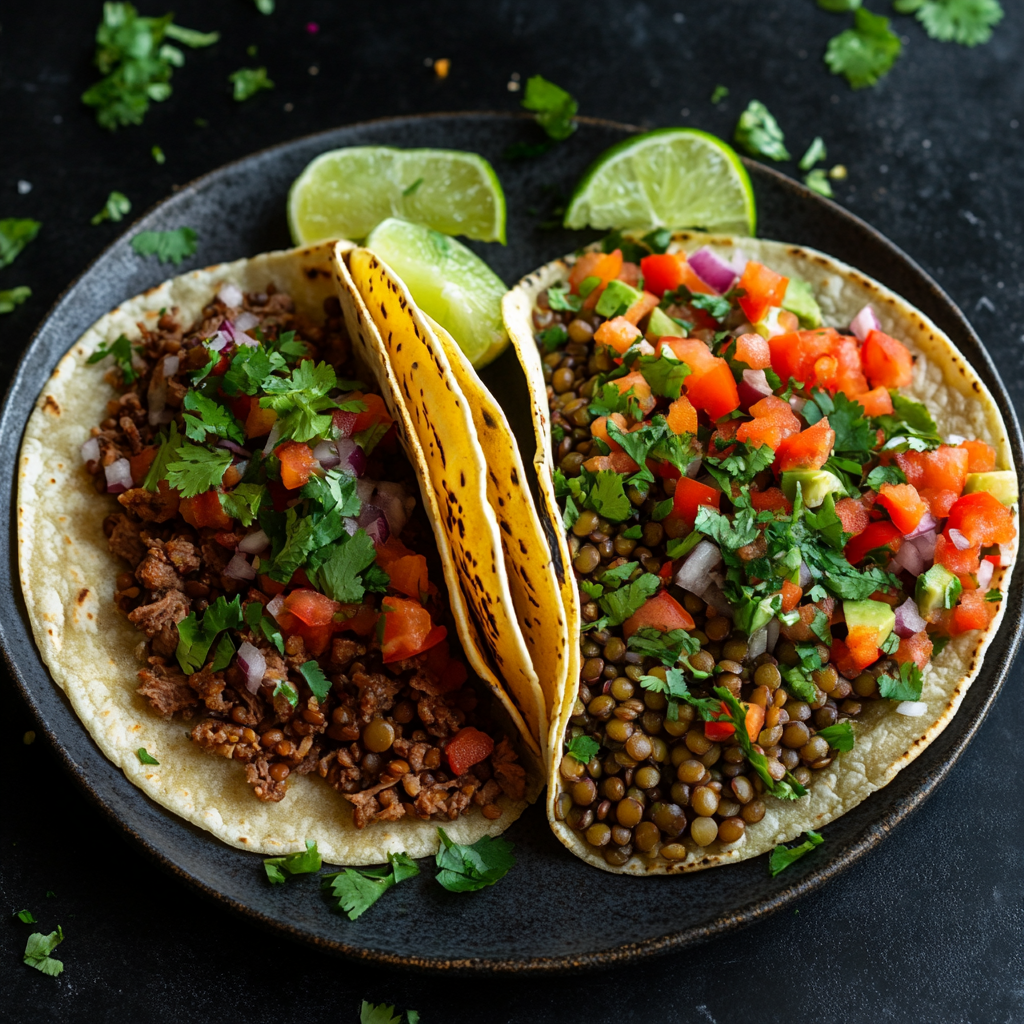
(929, 928)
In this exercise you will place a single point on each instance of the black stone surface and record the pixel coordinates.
(929, 926)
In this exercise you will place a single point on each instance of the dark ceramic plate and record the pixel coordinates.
(552, 912)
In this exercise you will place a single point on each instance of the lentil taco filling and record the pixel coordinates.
(769, 540)
(280, 569)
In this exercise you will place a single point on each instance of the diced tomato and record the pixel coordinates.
(763, 288)
(310, 607)
(630, 274)
(617, 462)
(641, 308)
(641, 390)
(408, 629)
(982, 518)
(271, 587)
(916, 648)
(794, 354)
(887, 362)
(945, 468)
(939, 501)
(361, 619)
(205, 510)
(297, 464)
(141, 462)
(259, 422)
(853, 515)
(961, 563)
(791, 595)
(375, 412)
(877, 402)
(409, 575)
(618, 333)
(604, 266)
(848, 377)
(662, 272)
(753, 350)
(873, 536)
(981, 457)
(774, 408)
(716, 731)
(710, 385)
(222, 366)
(770, 500)
(721, 730)
(662, 612)
(689, 496)
(466, 748)
(972, 612)
(681, 416)
(758, 432)
(840, 657)
(903, 504)
(809, 449)
(240, 406)
(773, 421)
(800, 631)
(861, 643)
(599, 428)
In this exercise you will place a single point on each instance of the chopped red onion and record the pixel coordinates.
(351, 456)
(713, 270)
(758, 643)
(275, 433)
(693, 468)
(274, 605)
(364, 490)
(984, 573)
(693, 573)
(246, 321)
(864, 323)
(239, 568)
(119, 476)
(928, 523)
(373, 520)
(739, 262)
(326, 454)
(774, 627)
(253, 543)
(231, 295)
(253, 663)
(911, 708)
(171, 365)
(909, 558)
(233, 447)
(961, 542)
(908, 619)
(91, 450)
(758, 382)
(926, 545)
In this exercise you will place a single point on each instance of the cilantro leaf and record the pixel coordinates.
(196, 469)
(166, 246)
(301, 536)
(798, 684)
(38, 950)
(816, 151)
(909, 420)
(827, 523)
(246, 82)
(620, 604)
(301, 401)
(730, 536)
(195, 638)
(845, 416)
(381, 1014)
(553, 338)
(469, 868)
(817, 181)
(666, 646)
(286, 690)
(356, 890)
(243, 503)
(210, 418)
(607, 496)
(15, 234)
(25, 917)
(303, 862)
(995, 594)
(719, 94)
(260, 623)
(338, 575)
(562, 300)
(145, 757)
(12, 297)
(315, 679)
(190, 37)
(674, 686)
(968, 22)
(249, 367)
(759, 133)
(265, 6)
(121, 351)
(907, 686)
(865, 52)
(115, 208)
(335, 490)
(664, 373)
(839, 736)
(583, 748)
(885, 475)
(167, 451)
(783, 856)
(554, 108)
(742, 464)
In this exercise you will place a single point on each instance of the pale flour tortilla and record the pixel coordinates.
(885, 741)
(68, 578)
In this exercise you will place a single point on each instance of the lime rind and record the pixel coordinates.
(669, 177)
(347, 192)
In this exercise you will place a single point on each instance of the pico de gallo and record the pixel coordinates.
(767, 537)
(279, 568)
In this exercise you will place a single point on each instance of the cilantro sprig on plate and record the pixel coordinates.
(356, 890)
(302, 862)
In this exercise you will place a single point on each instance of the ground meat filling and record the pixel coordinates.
(659, 787)
(380, 734)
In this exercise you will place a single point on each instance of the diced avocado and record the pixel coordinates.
(1000, 483)
(937, 588)
(661, 324)
(815, 484)
(801, 301)
(874, 615)
(616, 299)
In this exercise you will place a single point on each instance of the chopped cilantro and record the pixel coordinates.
(166, 246)
(195, 638)
(839, 736)
(121, 350)
(827, 523)
(356, 890)
(666, 646)
(730, 536)
(243, 503)
(662, 509)
(167, 451)
(907, 686)
(15, 234)
(854, 433)
(315, 679)
(839, 6)
(260, 623)
(25, 916)
(571, 513)
(145, 757)
(303, 862)
(12, 297)
(817, 181)
(302, 403)
(246, 82)
(553, 338)
(968, 22)
(865, 52)
(607, 398)
(995, 594)
(816, 152)
(592, 590)
(909, 421)
(759, 133)
(885, 475)
(286, 690)
(382, 1014)
(562, 300)
(620, 604)
(583, 748)
(197, 469)
(210, 418)
(300, 536)
(338, 568)
(890, 644)
(677, 547)
(265, 6)
(613, 578)
(664, 373)
(469, 868)
(939, 642)
(115, 208)
(783, 856)
(633, 533)
(38, 950)
(674, 686)
(719, 94)
(798, 684)
(223, 654)
(608, 498)
(158, 155)
(553, 107)
(742, 464)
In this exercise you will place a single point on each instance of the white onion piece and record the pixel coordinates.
(984, 573)
(773, 628)
(351, 526)
(908, 619)
(91, 450)
(864, 323)
(274, 605)
(232, 446)
(926, 545)
(911, 708)
(326, 454)
(758, 643)
(955, 439)
(909, 558)
(739, 262)
(241, 466)
(239, 568)
(392, 501)
(961, 542)
(1005, 555)
(119, 476)
(171, 365)
(253, 543)
(217, 342)
(364, 490)
(156, 395)
(275, 433)
(713, 270)
(693, 469)
(246, 321)
(646, 348)
(252, 662)
(928, 523)
(797, 404)
(717, 600)
(230, 295)
(758, 382)
(693, 573)
(805, 576)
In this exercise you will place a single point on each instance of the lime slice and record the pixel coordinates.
(346, 193)
(449, 282)
(672, 178)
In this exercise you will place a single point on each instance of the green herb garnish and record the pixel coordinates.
(356, 890)
(783, 856)
(469, 868)
(304, 862)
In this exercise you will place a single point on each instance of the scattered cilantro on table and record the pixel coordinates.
(158, 155)
(865, 52)
(15, 234)
(303, 862)
(12, 297)
(469, 868)
(719, 94)
(382, 1013)
(783, 856)
(115, 208)
(839, 5)
(759, 134)
(817, 181)
(25, 916)
(167, 246)
(357, 889)
(815, 153)
(553, 107)
(265, 6)
(968, 22)
(246, 82)
(38, 950)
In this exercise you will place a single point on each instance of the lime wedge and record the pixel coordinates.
(346, 193)
(449, 282)
(671, 178)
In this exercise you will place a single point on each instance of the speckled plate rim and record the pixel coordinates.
(957, 736)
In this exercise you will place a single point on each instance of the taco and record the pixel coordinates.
(790, 508)
(233, 565)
